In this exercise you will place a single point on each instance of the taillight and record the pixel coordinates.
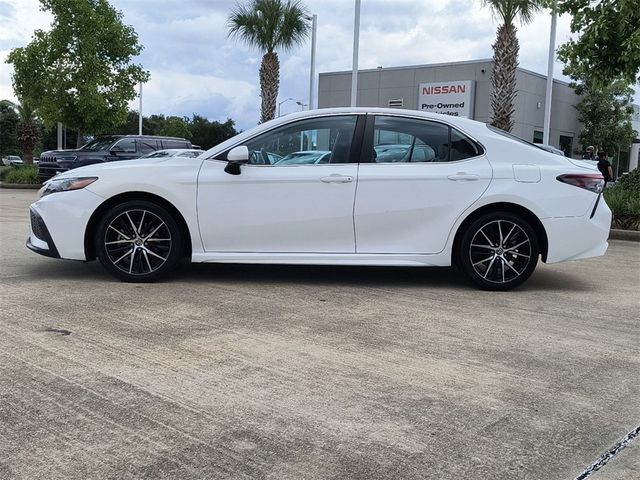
(593, 182)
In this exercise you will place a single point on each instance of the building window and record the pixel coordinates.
(538, 136)
(566, 145)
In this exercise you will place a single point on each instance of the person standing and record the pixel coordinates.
(588, 154)
(605, 167)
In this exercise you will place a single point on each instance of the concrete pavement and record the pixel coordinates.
(313, 373)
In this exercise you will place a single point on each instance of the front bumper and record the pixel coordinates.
(40, 240)
(47, 170)
(63, 219)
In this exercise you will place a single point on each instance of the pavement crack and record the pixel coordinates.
(607, 456)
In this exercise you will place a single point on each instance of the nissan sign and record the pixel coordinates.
(448, 98)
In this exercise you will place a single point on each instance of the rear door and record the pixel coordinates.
(416, 179)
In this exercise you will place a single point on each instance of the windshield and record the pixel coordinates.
(99, 144)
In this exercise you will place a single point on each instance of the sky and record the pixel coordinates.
(196, 68)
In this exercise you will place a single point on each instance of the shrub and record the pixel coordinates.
(3, 172)
(625, 205)
(631, 181)
(22, 174)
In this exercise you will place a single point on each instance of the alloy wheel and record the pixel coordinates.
(500, 251)
(137, 242)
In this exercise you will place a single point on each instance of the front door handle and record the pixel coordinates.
(464, 177)
(337, 178)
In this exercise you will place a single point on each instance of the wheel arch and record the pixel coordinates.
(514, 208)
(92, 225)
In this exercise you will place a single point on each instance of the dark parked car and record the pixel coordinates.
(104, 149)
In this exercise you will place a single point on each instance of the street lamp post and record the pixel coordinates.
(140, 112)
(302, 105)
(283, 101)
(312, 69)
(546, 130)
(356, 43)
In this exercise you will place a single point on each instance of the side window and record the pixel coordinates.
(462, 147)
(147, 146)
(175, 144)
(412, 140)
(308, 142)
(127, 145)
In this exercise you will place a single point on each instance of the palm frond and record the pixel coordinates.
(507, 11)
(269, 24)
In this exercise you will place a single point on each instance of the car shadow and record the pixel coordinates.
(397, 277)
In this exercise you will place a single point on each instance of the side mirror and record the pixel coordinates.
(238, 154)
(236, 157)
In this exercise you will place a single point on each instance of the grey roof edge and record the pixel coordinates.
(443, 64)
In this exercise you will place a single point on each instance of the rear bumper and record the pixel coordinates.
(573, 238)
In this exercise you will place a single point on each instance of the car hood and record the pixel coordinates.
(60, 153)
(121, 167)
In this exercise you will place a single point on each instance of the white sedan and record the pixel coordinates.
(482, 200)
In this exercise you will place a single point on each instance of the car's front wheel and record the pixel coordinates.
(498, 251)
(139, 241)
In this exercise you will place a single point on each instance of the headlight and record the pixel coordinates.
(67, 184)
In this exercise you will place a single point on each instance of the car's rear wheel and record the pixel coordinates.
(139, 241)
(498, 251)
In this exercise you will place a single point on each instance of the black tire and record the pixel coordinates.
(498, 251)
(139, 241)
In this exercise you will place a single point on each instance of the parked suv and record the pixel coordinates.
(104, 149)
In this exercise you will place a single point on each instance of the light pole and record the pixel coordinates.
(312, 69)
(546, 130)
(283, 101)
(302, 105)
(140, 112)
(356, 43)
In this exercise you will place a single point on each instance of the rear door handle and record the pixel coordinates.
(464, 177)
(337, 178)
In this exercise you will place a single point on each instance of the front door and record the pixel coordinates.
(418, 177)
(295, 195)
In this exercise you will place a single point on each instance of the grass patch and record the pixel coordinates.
(27, 175)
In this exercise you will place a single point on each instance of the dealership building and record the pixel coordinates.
(462, 89)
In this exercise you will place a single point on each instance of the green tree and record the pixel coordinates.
(609, 42)
(79, 72)
(8, 124)
(207, 134)
(605, 111)
(176, 127)
(505, 57)
(27, 129)
(269, 25)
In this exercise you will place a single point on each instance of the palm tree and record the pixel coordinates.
(269, 25)
(505, 56)
(27, 129)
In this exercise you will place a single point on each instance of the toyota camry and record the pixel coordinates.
(394, 188)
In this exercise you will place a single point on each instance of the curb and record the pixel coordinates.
(21, 186)
(630, 235)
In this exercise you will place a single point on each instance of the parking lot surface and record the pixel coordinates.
(313, 373)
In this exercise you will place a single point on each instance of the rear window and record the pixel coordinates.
(513, 137)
